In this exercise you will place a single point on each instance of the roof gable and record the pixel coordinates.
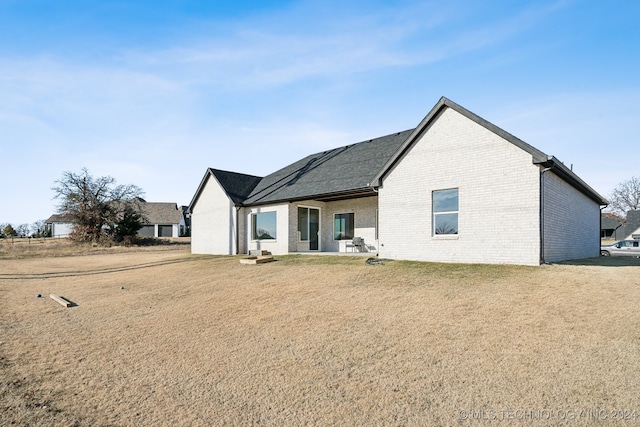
(237, 186)
(358, 169)
(329, 174)
(538, 157)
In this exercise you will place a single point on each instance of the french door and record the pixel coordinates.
(309, 227)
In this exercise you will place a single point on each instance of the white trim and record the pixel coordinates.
(333, 235)
(445, 237)
(251, 215)
(319, 227)
(433, 213)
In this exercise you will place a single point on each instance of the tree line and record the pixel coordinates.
(625, 197)
(37, 229)
(100, 210)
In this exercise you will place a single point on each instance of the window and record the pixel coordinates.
(263, 226)
(606, 233)
(627, 244)
(303, 224)
(343, 226)
(445, 212)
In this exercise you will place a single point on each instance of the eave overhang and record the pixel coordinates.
(559, 168)
(326, 197)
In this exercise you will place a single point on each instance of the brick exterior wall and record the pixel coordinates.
(571, 222)
(364, 210)
(498, 189)
(213, 227)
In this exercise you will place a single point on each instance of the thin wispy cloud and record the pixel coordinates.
(254, 56)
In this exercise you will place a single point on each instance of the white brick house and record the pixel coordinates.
(454, 189)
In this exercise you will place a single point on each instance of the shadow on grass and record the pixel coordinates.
(604, 261)
(73, 304)
(50, 275)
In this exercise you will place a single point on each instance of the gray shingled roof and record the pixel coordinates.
(609, 222)
(59, 218)
(238, 186)
(161, 213)
(164, 213)
(329, 174)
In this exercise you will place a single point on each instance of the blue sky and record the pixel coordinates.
(154, 92)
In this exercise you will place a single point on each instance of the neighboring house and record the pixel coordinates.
(162, 219)
(632, 225)
(59, 225)
(186, 230)
(611, 227)
(614, 228)
(454, 189)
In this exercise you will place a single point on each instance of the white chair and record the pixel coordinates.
(356, 243)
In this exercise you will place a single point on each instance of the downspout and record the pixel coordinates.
(237, 230)
(542, 212)
(376, 190)
(614, 231)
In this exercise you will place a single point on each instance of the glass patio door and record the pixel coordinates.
(314, 229)
(309, 227)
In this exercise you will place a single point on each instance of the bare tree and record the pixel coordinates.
(39, 228)
(625, 197)
(93, 204)
(23, 230)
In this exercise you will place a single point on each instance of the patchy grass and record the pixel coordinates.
(168, 338)
(17, 248)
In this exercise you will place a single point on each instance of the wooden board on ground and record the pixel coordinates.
(258, 252)
(60, 300)
(257, 259)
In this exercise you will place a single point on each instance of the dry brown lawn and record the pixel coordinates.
(328, 341)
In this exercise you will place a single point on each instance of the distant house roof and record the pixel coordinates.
(154, 213)
(59, 218)
(609, 222)
(161, 213)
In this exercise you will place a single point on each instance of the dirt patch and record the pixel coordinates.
(168, 338)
